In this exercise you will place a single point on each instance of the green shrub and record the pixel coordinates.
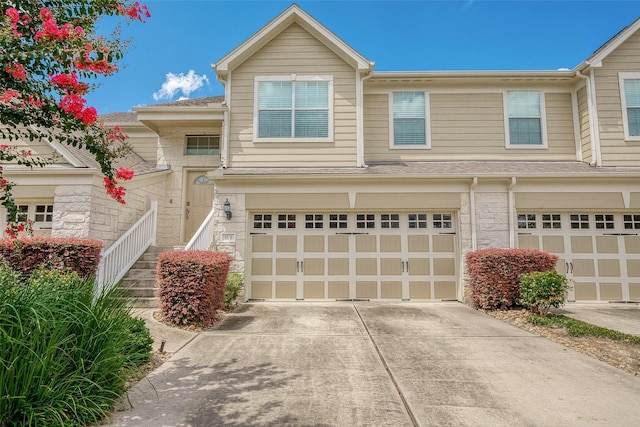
(235, 281)
(139, 343)
(539, 291)
(64, 356)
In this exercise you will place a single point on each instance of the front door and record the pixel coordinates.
(199, 201)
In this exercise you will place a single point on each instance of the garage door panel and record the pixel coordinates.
(444, 243)
(584, 267)
(607, 244)
(286, 289)
(261, 289)
(313, 289)
(418, 266)
(585, 291)
(338, 243)
(366, 289)
(366, 266)
(313, 266)
(609, 267)
(314, 243)
(287, 244)
(262, 244)
(390, 266)
(391, 289)
(581, 244)
(634, 291)
(261, 266)
(444, 289)
(338, 289)
(366, 243)
(390, 243)
(417, 243)
(553, 244)
(611, 291)
(561, 267)
(632, 244)
(420, 290)
(633, 267)
(338, 267)
(444, 267)
(286, 266)
(528, 242)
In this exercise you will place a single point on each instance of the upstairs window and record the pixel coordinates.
(409, 120)
(202, 145)
(294, 108)
(630, 94)
(524, 119)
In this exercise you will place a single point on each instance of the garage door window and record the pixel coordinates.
(632, 222)
(526, 221)
(365, 221)
(313, 221)
(389, 221)
(551, 221)
(579, 221)
(286, 221)
(262, 221)
(605, 222)
(417, 220)
(442, 221)
(338, 221)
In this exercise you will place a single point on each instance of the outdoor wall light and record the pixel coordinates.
(227, 208)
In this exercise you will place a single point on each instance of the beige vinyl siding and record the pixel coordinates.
(294, 51)
(469, 126)
(615, 150)
(37, 148)
(144, 143)
(171, 148)
(585, 129)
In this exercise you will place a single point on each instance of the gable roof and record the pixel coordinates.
(595, 60)
(293, 14)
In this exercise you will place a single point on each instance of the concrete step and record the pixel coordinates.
(138, 283)
(149, 265)
(146, 302)
(140, 273)
(141, 292)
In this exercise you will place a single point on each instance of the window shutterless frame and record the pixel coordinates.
(285, 108)
(410, 110)
(630, 104)
(524, 112)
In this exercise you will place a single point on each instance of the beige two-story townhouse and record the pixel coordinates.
(329, 180)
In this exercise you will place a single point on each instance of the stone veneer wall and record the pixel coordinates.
(88, 211)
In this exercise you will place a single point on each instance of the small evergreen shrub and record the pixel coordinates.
(495, 274)
(192, 285)
(235, 282)
(541, 290)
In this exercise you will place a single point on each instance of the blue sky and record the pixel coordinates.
(172, 53)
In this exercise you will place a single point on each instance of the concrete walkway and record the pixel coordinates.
(619, 317)
(352, 364)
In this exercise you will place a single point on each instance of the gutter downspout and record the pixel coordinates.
(224, 152)
(512, 230)
(472, 213)
(360, 119)
(593, 119)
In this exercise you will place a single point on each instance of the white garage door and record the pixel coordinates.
(320, 256)
(600, 252)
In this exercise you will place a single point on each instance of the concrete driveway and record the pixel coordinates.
(377, 364)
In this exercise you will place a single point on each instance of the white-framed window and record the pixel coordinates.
(202, 145)
(40, 213)
(527, 221)
(293, 108)
(525, 125)
(630, 97)
(409, 120)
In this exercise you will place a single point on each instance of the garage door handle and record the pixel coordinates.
(299, 266)
(571, 264)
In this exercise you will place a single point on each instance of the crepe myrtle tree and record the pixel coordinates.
(49, 52)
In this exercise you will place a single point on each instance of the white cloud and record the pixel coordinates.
(175, 83)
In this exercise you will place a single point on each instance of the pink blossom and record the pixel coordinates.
(124, 174)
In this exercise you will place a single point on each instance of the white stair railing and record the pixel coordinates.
(118, 258)
(203, 238)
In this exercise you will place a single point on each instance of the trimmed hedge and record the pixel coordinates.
(495, 274)
(192, 285)
(27, 254)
